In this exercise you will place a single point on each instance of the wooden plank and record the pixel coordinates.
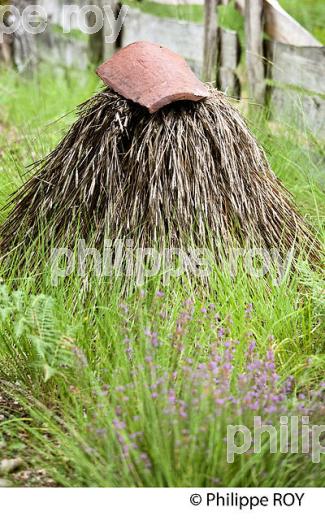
(304, 112)
(228, 82)
(254, 49)
(229, 57)
(6, 50)
(62, 51)
(303, 67)
(6, 45)
(229, 53)
(280, 26)
(210, 40)
(185, 38)
(96, 40)
(109, 48)
(25, 53)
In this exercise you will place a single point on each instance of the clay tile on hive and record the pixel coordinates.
(152, 76)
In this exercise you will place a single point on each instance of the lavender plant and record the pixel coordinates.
(160, 416)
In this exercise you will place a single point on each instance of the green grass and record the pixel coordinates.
(192, 12)
(310, 14)
(73, 362)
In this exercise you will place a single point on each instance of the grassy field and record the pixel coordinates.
(101, 387)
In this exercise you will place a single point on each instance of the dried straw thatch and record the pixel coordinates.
(190, 171)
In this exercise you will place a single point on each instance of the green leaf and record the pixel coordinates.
(20, 327)
(48, 372)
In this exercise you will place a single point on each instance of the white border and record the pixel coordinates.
(152, 503)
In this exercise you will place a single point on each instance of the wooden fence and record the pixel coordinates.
(295, 77)
(288, 77)
(286, 70)
(25, 51)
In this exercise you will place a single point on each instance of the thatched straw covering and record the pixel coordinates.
(190, 171)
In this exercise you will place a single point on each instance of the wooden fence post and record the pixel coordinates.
(228, 60)
(18, 48)
(98, 48)
(96, 40)
(210, 40)
(110, 48)
(6, 50)
(6, 44)
(254, 49)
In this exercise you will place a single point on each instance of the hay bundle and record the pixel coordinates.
(190, 171)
